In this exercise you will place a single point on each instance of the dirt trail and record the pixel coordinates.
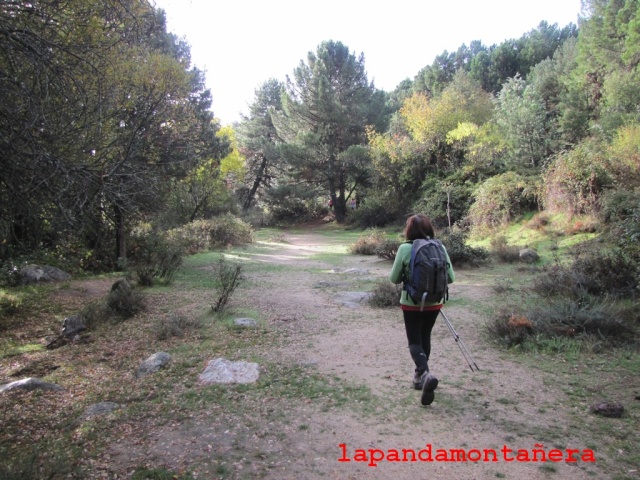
(499, 406)
(507, 404)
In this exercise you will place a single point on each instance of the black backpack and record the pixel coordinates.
(429, 276)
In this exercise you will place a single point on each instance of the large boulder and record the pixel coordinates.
(30, 384)
(73, 325)
(226, 371)
(30, 274)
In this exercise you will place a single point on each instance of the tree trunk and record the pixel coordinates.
(256, 185)
(121, 241)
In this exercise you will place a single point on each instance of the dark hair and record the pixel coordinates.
(418, 226)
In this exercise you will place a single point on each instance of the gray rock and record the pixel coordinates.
(30, 274)
(152, 364)
(351, 271)
(220, 370)
(330, 284)
(529, 255)
(30, 384)
(353, 299)
(73, 324)
(246, 322)
(101, 408)
(606, 409)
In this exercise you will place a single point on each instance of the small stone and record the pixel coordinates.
(246, 322)
(101, 408)
(607, 409)
(152, 364)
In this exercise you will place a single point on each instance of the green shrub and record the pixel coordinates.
(621, 212)
(503, 251)
(588, 316)
(459, 252)
(593, 273)
(96, 313)
(368, 243)
(154, 257)
(227, 230)
(374, 213)
(500, 199)
(289, 210)
(574, 182)
(227, 277)
(385, 294)
(124, 300)
(220, 231)
(9, 303)
(445, 200)
(9, 272)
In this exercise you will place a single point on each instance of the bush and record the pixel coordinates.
(459, 252)
(385, 294)
(594, 273)
(228, 230)
(503, 251)
(387, 249)
(9, 303)
(124, 300)
(562, 317)
(539, 221)
(374, 213)
(510, 329)
(445, 199)
(575, 181)
(153, 256)
(500, 199)
(621, 212)
(587, 316)
(174, 325)
(203, 235)
(368, 243)
(228, 277)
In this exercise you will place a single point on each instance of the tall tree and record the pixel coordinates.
(326, 107)
(258, 140)
(100, 107)
(522, 115)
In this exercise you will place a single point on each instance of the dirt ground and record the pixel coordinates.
(505, 405)
(508, 404)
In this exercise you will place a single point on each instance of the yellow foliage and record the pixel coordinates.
(233, 165)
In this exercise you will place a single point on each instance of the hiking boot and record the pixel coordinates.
(429, 385)
(418, 380)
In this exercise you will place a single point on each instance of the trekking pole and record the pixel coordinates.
(463, 348)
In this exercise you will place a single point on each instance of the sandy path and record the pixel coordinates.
(505, 404)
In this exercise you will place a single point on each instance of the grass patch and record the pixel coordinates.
(10, 349)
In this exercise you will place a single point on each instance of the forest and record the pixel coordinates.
(108, 136)
(112, 157)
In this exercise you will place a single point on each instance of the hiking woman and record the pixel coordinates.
(418, 324)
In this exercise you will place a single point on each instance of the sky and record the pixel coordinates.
(240, 44)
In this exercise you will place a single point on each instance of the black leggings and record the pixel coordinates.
(418, 326)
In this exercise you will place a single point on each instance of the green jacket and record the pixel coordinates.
(400, 271)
